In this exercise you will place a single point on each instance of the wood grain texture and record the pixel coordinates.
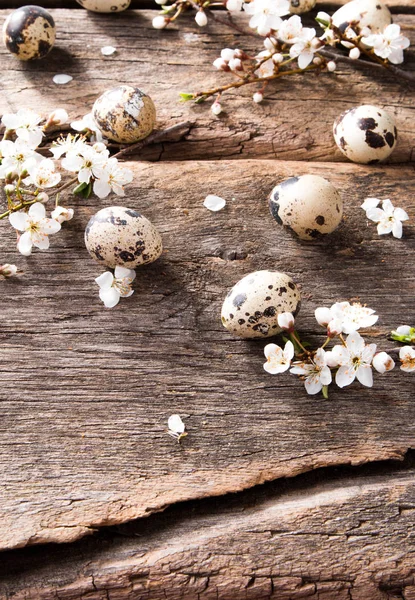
(86, 392)
(393, 4)
(295, 123)
(339, 539)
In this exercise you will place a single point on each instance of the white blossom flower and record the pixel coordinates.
(61, 214)
(266, 14)
(113, 287)
(26, 125)
(382, 362)
(201, 18)
(87, 164)
(176, 427)
(111, 177)
(291, 30)
(7, 270)
(266, 69)
(388, 45)
(278, 360)
(71, 144)
(316, 373)
(353, 316)
(355, 360)
(407, 357)
(43, 174)
(234, 5)
(87, 124)
(388, 218)
(305, 47)
(36, 227)
(16, 157)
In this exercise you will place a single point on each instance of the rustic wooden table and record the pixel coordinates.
(86, 392)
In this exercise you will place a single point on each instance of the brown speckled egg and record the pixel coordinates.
(367, 13)
(29, 32)
(365, 134)
(105, 6)
(309, 205)
(298, 7)
(125, 114)
(122, 236)
(251, 308)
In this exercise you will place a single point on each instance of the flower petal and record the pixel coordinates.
(345, 376)
(25, 244)
(37, 211)
(109, 297)
(19, 220)
(364, 375)
(105, 280)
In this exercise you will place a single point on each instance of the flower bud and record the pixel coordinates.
(57, 117)
(323, 16)
(42, 197)
(331, 66)
(220, 64)
(61, 214)
(331, 361)
(334, 328)
(286, 321)
(323, 316)
(317, 60)
(382, 362)
(258, 97)
(235, 64)
(404, 330)
(10, 177)
(8, 270)
(354, 53)
(159, 22)
(201, 18)
(216, 108)
(277, 58)
(227, 54)
(9, 188)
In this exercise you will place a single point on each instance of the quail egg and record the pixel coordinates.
(125, 114)
(367, 13)
(365, 134)
(251, 308)
(122, 236)
(298, 7)
(309, 205)
(29, 32)
(105, 6)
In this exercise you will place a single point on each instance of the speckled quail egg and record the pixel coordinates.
(125, 114)
(29, 32)
(298, 7)
(105, 6)
(368, 13)
(251, 308)
(365, 134)
(122, 236)
(309, 205)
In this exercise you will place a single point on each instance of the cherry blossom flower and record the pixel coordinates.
(353, 316)
(87, 164)
(57, 117)
(388, 218)
(71, 144)
(370, 203)
(26, 125)
(111, 177)
(176, 427)
(43, 174)
(278, 360)
(36, 227)
(266, 14)
(407, 357)
(291, 30)
(316, 373)
(305, 47)
(382, 362)
(88, 124)
(7, 270)
(113, 287)
(388, 45)
(16, 157)
(61, 214)
(355, 360)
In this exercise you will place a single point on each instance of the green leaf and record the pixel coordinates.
(322, 22)
(325, 391)
(79, 188)
(85, 191)
(200, 100)
(185, 97)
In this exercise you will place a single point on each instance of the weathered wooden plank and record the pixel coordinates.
(401, 4)
(347, 539)
(86, 392)
(295, 123)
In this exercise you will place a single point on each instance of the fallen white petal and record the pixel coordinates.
(61, 79)
(108, 50)
(214, 203)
